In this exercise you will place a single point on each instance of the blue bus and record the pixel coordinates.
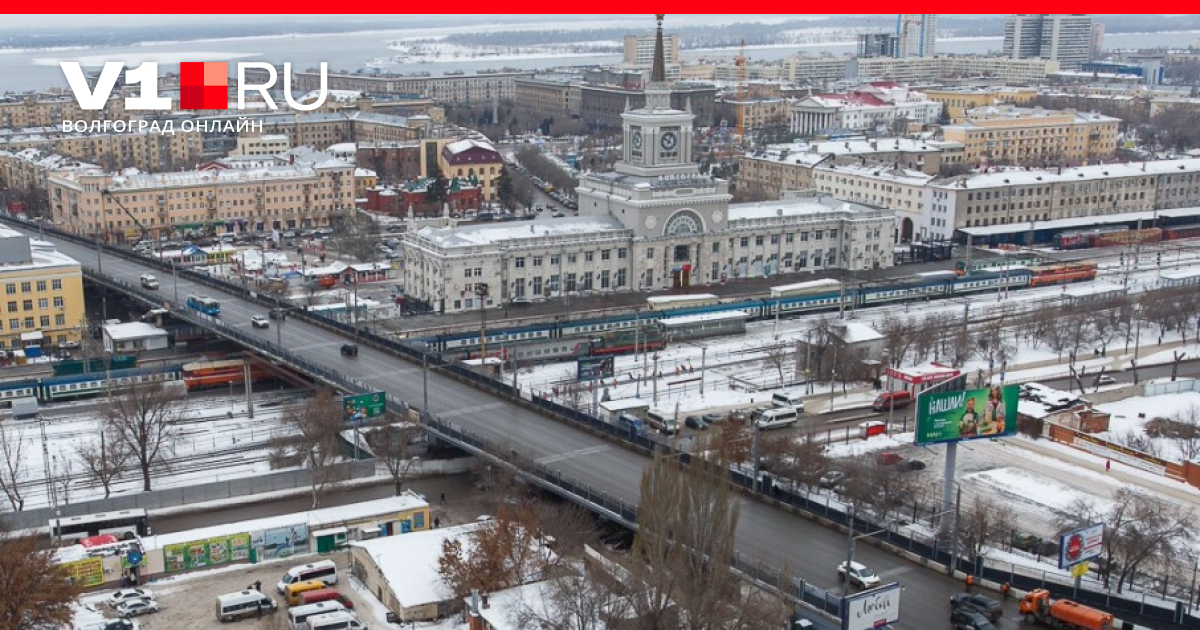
(204, 304)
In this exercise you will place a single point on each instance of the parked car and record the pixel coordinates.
(349, 350)
(558, 215)
(260, 321)
(695, 422)
(860, 575)
(979, 603)
(888, 458)
(911, 465)
(714, 417)
(1105, 379)
(129, 594)
(963, 619)
(136, 607)
(831, 479)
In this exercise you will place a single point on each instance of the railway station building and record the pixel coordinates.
(654, 223)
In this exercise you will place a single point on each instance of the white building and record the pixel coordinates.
(892, 187)
(654, 223)
(134, 337)
(1065, 38)
(917, 35)
(871, 108)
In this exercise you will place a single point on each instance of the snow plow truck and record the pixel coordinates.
(1038, 608)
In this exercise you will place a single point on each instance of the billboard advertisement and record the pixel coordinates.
(206, 553)
(359, 408)
(280, 542)
(1080, 545)
(592, 368)
(967, 415)
(872, 609)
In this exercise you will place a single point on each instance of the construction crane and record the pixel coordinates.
(740, 60)
(141, 227)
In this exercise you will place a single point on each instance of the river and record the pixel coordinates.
(23, 70)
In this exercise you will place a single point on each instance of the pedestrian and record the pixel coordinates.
(258, 585)
(970, 581)
(443, 499)
(437, 522)
(1004, 589)
(1107, 465)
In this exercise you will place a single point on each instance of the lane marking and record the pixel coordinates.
(550, 459)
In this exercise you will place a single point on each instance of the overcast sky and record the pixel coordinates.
(43, 21)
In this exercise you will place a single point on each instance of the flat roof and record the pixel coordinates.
(706, 317)
(1078, 222)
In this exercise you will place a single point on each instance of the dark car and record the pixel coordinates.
(979, 603)
(695, 422)
(277, 313)
(714, 417)
(963, 619)
(911, 465)
(350, 350)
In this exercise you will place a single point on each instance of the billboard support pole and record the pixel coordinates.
(1075, 593)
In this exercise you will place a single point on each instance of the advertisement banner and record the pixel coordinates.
(967, 415)
(592, 368)
(280, 542)
(872, 609)
(206, 553)
(1080, 545)
(86, 573)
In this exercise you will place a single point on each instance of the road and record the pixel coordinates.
(810, 551)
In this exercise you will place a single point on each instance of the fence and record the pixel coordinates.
(615, 508)
(186, 495)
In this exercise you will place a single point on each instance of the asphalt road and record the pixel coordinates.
(811, 552)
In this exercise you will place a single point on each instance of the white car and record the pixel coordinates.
(129, 594)
(860, 575)
(260, 321)
(135, 607)
(1105, 379)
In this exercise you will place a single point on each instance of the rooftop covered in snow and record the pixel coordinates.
(514, 234)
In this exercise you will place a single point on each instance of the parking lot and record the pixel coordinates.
(188, 601)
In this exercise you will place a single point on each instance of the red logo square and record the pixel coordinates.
(204, 85)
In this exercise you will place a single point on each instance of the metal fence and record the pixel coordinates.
(187, 495)
(1172, 387)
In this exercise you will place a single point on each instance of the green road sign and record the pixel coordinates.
(363, 406)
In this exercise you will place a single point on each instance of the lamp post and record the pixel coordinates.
(481, 290)
(850, 538)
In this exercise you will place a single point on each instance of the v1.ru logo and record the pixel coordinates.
(204, 85)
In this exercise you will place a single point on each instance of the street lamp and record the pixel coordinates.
(850, 538)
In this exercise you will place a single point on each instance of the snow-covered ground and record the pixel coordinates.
(1130, 416)
(216, 441)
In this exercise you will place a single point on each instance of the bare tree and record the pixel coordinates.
(143, 416)
(777, 357)
(984, 522)
(106, 460)
(12, 471)
(501, 553)
(315, 424)
(898, 337)
(393, 445)
(64, 474)
(572, 600)
(1138, 441)
(806, 461)
(39, 593)
(357, 235)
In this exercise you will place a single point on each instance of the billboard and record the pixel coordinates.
(872, 609)
(592, 368)
(199, 554)
(1080, 545)
(967, 415)
(363, 406)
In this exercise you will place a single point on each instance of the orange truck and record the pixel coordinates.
(1037, 607)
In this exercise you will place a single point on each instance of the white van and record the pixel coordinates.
(234, 606)
(787, 400)
(662, 421)
(343, 620)
(325, 570)
(299, 615)
(776, 418)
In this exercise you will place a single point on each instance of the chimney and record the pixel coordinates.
(484, 601)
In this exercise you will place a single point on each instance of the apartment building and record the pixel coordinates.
(1065, 38)
(120, 207)
(25, 173)
(1023, 136)
(144, 151)
(266, 144)
(639, 49)
(917, 35)
(602, 105)
(21, 111)
(556, 97)
(43, 295)
(780, 168)
(894, 188)
(913, 70)
(465, 89)
(956, 101)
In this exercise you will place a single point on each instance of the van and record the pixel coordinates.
(662, 421)
(788, 399)
(293, 591)
(892, 400)
(325, 595)
(325, 570)
(342, 620)
(298, 617)
(776, 418)
(248, 603)
(632, 424)
(149, 281)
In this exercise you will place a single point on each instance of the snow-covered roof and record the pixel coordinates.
(315, 519)
(506, 608)
(364, 172)
(686, 320)
(897, 174)
(1022, 177)
(468, 144)
(857, 332)
(623, 404)
(799, 207)
(584, 228)
(409, 563)
(814, 152)
(42, 254)
(132, 330)
(1098, 220)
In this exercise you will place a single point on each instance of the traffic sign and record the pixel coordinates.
(134, 558)
(363, 406)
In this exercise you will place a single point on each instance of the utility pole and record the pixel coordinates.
(703, 362)
(637, 347)
(249, 388)
(425, 382)
(481, 290)
(655, 377)
(849, 549)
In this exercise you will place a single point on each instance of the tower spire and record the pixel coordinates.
(658, 72)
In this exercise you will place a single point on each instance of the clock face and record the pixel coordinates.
(651, 221)
(717, 216)
(669, 141)
(636, 140)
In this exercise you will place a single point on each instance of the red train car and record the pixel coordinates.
(1128, 237)
(1187, 231)
(207, 374)
(1046, 275)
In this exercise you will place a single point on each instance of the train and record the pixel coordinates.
(563, 340)
(1109, 237)
(208, 374)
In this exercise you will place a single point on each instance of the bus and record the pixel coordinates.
(204, 304)
(124, 524)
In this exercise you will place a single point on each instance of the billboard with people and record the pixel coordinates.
(967, 414)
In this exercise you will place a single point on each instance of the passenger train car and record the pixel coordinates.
(72, 386)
